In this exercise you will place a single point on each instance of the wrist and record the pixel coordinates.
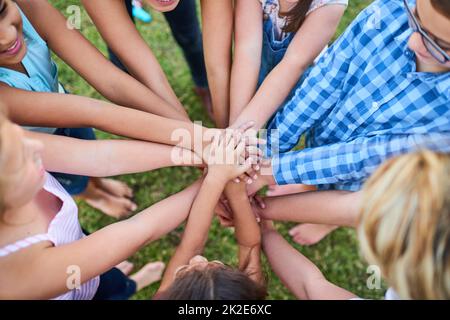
(216, 177)
(267, 172)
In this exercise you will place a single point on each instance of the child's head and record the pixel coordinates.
(12, 44)
(163, 5)
(433, 16)
(404, 225)
(297, 15)
(21, 172)
(203, 280)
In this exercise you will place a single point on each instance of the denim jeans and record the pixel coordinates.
(185, 27)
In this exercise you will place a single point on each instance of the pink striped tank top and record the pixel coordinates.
(63, 229)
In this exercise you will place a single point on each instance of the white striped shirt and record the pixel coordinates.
(63, 229)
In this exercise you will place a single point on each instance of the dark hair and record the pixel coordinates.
(443, 6)
(221, 283)
(296, 16)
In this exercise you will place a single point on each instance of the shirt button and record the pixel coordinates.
(375, 105)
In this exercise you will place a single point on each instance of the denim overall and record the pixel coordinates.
(273, 52)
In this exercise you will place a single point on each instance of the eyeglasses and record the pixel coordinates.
(433, 48)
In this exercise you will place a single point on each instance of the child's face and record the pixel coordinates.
(12, 44)
(198, 263)
(163, 5)
(438, 26)
(22, 164)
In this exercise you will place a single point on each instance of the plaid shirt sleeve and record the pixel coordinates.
(352, 161)
(315, 98)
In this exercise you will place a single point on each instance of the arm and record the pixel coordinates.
(247, 230)
(196, 231)
(70, 111)
(247, 55)
(94, 254)
(119, 32)
(217, 47)
(297, 273)
(343, 162)
(352, 161)
(110, 81)
(314, 34)
(339, 208)
(225, 167)
(105, 158)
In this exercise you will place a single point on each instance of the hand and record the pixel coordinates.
(226, 159)
(245, 130)
(253, 149)
(224, 213)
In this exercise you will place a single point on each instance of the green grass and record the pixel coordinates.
(337, 256)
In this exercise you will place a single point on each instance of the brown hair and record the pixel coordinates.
(404, 226)
(443, 6)
(296, 16)
(219, 283)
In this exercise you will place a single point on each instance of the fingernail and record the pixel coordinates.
(257, 168)
(249, 181)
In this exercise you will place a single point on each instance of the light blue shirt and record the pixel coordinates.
(42, 70)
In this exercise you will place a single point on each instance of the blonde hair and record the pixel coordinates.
(404, 225)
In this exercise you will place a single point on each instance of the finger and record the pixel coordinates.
(246, 126)
(253, 151)
(260, 201)
(246, 167)
(252, 173)
(240, 149)
(255, 141)
(226, 223)
(214, 145)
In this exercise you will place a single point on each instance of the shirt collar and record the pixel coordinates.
(441, 81)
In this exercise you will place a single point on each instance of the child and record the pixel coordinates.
(383, 83)
(114, 20)
(276, 42)
(29, 82)
(40, 236)
(403, 227)
(190, 276)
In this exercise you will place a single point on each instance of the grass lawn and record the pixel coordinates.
(337, 256)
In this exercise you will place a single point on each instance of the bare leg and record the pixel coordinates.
(148, 275)
(305, 234)
(308, 234)
(113, 187)
(126, 267)
(108, 204)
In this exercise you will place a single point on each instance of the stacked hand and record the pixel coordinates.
(235, 153)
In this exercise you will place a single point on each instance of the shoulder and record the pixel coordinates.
(380, 22)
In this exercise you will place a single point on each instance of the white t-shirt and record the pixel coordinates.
(271, 9)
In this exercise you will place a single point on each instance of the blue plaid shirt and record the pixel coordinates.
(362, 103)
